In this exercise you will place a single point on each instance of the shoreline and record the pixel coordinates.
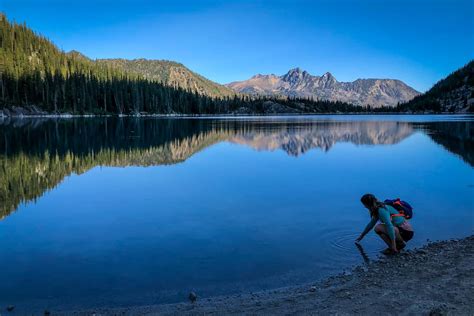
(217, 115)
(35, 112)
(436, 279)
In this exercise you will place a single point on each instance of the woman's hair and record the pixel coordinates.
(371, 202)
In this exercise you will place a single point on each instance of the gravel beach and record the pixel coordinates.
(437, 279)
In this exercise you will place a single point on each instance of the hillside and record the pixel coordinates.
(300, 83)
(455, 93)
(170, 73)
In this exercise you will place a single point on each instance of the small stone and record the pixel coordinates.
(312, 289)
(192, 297)
(10, 308)
(437, 312)
(47, 313)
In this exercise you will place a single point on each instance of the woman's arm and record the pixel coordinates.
(369, 226)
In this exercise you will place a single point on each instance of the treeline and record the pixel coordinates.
(444, 91)
(35, 72)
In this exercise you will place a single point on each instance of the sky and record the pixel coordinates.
(416, 41)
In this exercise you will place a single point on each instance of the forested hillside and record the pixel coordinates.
(36, 72)
(455, 93)
(172, 74)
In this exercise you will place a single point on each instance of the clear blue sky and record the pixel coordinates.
(417, 41)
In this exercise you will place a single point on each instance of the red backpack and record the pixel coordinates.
(404, 208)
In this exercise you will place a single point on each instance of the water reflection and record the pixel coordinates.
(363, 254)
(37, 154)
(457, 137)
(297, 140)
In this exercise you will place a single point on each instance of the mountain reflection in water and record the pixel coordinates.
(37, 154)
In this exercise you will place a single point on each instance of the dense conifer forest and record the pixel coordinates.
(37, 73)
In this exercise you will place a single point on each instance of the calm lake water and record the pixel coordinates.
(108, 211)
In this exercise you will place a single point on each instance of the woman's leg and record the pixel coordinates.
(381, 230)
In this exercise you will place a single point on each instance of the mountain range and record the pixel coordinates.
(299, 83)
(295, 83)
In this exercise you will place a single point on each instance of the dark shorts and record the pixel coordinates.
(406, 234)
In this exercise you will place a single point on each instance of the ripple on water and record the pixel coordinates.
(341, 250)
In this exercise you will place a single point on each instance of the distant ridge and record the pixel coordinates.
(170, 73)
(299, 83)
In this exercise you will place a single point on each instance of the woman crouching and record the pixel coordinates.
(394, 230)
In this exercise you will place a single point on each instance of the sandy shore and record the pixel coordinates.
(437, 279)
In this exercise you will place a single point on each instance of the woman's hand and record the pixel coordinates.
(359, 239)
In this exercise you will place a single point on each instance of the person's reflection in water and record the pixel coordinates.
(363, 253)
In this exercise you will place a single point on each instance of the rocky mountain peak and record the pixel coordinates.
(295, 76)
(296, 70)
(327, 80)
(328, 76)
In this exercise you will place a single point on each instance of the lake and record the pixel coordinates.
(126, 211)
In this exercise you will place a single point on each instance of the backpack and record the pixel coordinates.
(402, 207)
